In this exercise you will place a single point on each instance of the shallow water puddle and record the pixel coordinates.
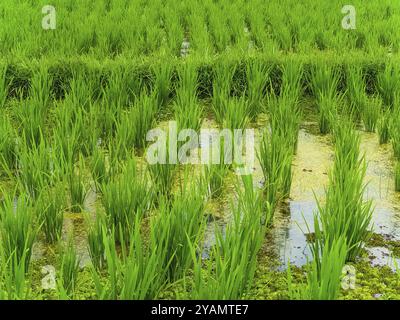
(310, 167)
(310, 175)
(380, 186)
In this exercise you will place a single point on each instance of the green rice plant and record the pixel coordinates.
(292, 74)
(35, 170)
(162, 176)
(49, 209)
(17, 229)
(252, 199)
(222, 87)
(236, 113)
(80, 90)
(40, 86)
(370, 113)
(323, 274)
(345, 212)
(188, 114)
(95, 241)
(31, 116)
(275, 159)
(395, 133)
(284, 116)
(233, 259)
(178, 226)
(356, 90)
(69, 268)
(142, 117)
(135, 274)
(125, 197)
(4, 86)
(324, 81)
(101, 174)
(162, 82)
(14, 284)
(397, 176)
(387, 84)
(383, 127)
(257, 76)
(215, 175)
(117, 92)
(8, 147)
(132, 127)
(77, 187)
(327, 106)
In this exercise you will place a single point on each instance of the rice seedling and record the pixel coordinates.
(179, 225)
(323, 274)
(125, 197)
(188, 112)
(356, 91)
(236, 113)
(77, 187)
(14, 284)
(49, 209)
(327, 106)
(275, 160)
(40, 87)
(292, 74)
(162, 176)
(370, 114)
(17, 230)
(324, 81)
(162, 82)
(387, 85)
(230, 271)
(222, 87)
(8, 152)
(345, 212)
(397, 176)
(101, 174)
(95, 241)
(69, 268)
(383, 127)
(215, 175)
(4, 86)
(136, 273)
(35, 167)
(257, 77)
(31, 117)
(395, 133)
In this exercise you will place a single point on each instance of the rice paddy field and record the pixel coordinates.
(85, 215)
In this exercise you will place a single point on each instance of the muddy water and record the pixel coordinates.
(310, 167)
(310, 176)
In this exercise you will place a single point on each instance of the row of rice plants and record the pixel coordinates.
(342, 223)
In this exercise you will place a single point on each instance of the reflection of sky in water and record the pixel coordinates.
(289, 238)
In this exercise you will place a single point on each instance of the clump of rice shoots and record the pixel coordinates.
(323, 274)
(69, 269)
(388, 82)
(78, 189)
(231, 267)
(50, 208)
(370, 113)
(397, 176)
(8, 146)
(124, 197)
(17, 229)
(383, 127)
(324, 82)
(222, 87)
(345, 212)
